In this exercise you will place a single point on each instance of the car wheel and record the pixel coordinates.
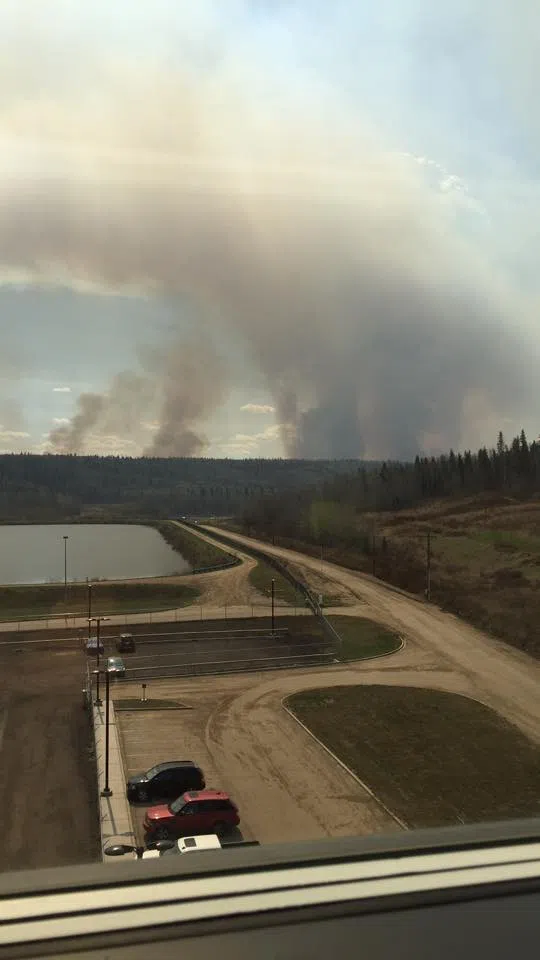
(162, 833)
(220, 828)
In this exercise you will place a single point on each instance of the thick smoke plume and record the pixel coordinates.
(375, 327)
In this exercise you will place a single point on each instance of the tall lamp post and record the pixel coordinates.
(106, 792)
(97, 621)
(66, 538)
(89, 601)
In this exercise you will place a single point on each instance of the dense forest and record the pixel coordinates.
(56, 487)
(330, 515)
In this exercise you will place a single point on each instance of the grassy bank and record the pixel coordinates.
(261, 577)
(47, 600)
(433, 758)
(197, 552)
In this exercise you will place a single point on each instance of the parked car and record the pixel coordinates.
(208, 841)
(125, 643)
(204, 811)
(165, 781)
(116, 667)
(92, 645)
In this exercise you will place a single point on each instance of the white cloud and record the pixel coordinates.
(61, 389)
(258, 408)
(58, 421)
(249, 444)
(12, 434)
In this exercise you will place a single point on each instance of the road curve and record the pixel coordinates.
(500, 676)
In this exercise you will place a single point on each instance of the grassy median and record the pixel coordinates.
(433, 758)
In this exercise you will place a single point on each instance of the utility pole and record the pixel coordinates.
(273, 594)
(373, 550)
(66, 538)
(97, 621)
(428, 566)
(107, 792)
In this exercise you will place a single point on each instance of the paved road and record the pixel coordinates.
(500, 676)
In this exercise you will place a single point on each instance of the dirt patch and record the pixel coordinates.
(433, 758)
(48, 789)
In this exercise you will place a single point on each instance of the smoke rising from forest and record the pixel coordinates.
(279, 214)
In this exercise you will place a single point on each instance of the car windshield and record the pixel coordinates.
(269, 415)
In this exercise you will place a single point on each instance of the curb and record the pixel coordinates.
(114, 811)
(344, 766)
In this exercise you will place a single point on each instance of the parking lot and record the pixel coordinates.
(286, 786)
(199, 648)
(48, 788)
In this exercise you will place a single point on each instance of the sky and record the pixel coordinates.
(268, 229)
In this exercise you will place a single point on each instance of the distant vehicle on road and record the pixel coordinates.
(204, 811)
(92, 645)
(125, 643)
(116, 667)
(165, 781)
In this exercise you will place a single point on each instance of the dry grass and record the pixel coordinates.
(433, 758)
(485, 560)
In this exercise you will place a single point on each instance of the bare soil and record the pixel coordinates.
(48, 784)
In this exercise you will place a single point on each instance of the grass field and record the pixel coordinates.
(363, 638)
(47, 600)
(433, 758)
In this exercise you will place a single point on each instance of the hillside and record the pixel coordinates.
(485, 559)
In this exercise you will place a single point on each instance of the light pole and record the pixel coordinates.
(97, 621)
(89, 601)
(273, 595)
(66, 538)
(106, 792)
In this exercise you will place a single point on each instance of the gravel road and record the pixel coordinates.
(500, 676)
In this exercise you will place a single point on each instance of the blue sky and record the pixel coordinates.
(440, 95)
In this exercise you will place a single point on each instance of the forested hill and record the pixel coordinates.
(49, 487)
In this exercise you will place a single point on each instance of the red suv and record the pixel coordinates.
(201, 811)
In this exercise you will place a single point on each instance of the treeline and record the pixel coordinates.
(53, 486)
(330, 515)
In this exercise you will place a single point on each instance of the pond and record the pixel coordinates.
(34, 553)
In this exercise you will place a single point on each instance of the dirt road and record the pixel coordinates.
(287, 787)
(500, 676)
(47, 787)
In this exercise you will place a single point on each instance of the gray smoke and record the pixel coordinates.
(373, 323)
